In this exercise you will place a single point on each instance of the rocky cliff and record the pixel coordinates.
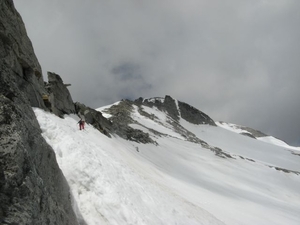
(33, 189)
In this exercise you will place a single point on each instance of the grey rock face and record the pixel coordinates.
(19, 67)
(33, 189)
(59, 96)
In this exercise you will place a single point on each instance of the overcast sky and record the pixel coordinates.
(236, 60)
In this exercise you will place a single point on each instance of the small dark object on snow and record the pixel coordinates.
(81, 124)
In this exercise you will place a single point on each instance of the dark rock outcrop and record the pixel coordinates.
(33, 189)
(59, 96)
(94, 118)
(121, 119)
(193, 115)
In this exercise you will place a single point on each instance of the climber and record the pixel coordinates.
(81, 124)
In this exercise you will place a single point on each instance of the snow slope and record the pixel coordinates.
(115, 181)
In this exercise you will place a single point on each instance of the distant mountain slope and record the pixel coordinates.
(255, 134)
(241, 129)
(163, 117)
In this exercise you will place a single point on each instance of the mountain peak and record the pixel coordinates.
(177, 109)
(163, 116)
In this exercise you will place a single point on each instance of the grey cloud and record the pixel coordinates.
(236, 60)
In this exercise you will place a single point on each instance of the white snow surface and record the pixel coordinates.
(115, 181)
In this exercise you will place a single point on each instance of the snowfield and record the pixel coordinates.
(114, 181)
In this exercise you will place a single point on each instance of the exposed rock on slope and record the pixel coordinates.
(33, 189)
(59, 96)
(120, 123)
(94, 118)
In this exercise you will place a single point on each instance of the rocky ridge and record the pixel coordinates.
(33, 189)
